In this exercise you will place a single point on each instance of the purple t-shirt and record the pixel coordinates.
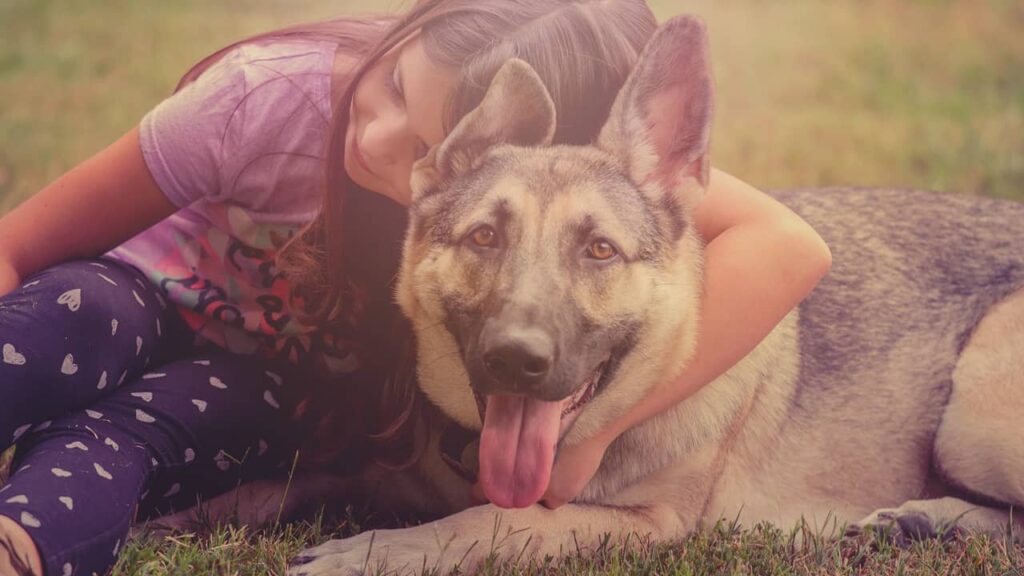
(241, 152)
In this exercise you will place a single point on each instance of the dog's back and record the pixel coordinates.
(879, 341)
(540, 317)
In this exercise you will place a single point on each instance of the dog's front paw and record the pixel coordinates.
(901, 526)
(335, 557)
(377, 552)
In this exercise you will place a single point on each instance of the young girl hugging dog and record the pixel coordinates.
(213, 291)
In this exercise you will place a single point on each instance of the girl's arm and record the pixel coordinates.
(92, 208)
(761, 260)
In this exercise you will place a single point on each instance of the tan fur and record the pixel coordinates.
(979, 442)
(832, 419)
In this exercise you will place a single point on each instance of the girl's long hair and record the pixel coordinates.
(582, 50)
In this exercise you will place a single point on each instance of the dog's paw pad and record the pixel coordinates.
(916, 525)
(900, 527)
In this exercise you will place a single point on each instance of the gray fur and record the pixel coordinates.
(907, 360)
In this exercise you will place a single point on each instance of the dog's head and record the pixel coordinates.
(551, 286)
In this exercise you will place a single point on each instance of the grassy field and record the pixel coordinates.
(926, 94)
(725, 549)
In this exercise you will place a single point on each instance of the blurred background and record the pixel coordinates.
(923, 93)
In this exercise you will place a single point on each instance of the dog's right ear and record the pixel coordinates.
(659, 127)
(516, 109)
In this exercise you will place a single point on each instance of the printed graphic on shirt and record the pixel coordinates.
(229, 291)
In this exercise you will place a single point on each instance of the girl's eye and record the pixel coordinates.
(601, 250)
(484, 237)
(391, 80)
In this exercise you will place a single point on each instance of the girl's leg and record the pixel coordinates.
(198, 425)
(72, 333)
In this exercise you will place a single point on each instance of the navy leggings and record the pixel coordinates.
(118, 415)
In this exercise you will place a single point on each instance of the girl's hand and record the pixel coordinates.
(9, 278)
(92, 208)
(574, 467)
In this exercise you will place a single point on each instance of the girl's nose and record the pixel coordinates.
(385, 139)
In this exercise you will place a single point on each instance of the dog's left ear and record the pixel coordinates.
(516, 109)
(660, 124)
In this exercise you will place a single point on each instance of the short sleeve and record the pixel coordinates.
(183, 138)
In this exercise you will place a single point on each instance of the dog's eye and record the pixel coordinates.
(484, 237)
(601, 250)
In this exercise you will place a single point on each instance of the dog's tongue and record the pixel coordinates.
(517, 448)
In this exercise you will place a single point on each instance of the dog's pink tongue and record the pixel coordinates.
(517, 449)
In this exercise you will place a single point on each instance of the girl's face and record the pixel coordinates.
(395, 117)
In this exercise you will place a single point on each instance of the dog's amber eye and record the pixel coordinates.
(601, 250)
(484, 237)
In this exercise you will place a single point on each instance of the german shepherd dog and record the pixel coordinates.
(550, 287)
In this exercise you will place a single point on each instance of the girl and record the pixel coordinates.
(183, 310)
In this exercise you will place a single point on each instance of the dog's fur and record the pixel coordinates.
(895, 384)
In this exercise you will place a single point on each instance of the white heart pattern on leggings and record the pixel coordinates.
(101, 472)
(11, 356)
(201, 404)
(19, 499)
(20, 431)
(113, 327)
(269, 399)
(107, 279)
(72, 299)
(67, 501)
(147, 396)
(69, 367)
(216, 383)
(103, 381)
(143, 417)
(190, 455)
(30, 520)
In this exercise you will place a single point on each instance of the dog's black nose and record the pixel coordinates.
(519, 359)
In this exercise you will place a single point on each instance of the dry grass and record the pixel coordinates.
(925, 93)
(920, 93)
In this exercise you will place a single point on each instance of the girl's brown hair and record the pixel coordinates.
(582, 49)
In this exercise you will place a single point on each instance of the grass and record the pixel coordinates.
(723, 549)
(913, 93)
(922, 93)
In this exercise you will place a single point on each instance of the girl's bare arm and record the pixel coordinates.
(90, 209)
(761, 260)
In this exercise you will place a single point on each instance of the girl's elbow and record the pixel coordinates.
(810, 252)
